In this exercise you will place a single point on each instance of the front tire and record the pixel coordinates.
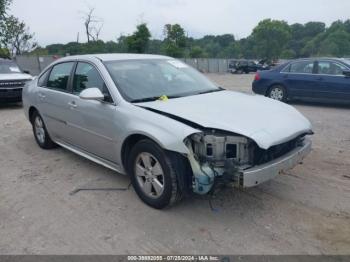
(153, 175)
(277, 92)
(41, 135)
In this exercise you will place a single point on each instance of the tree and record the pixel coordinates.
(4, 4)
(93, 25)
(312, 29)
(288, 54)
(225, 40)
(197, 52)
(155, 46)
(337, 44)
(16, 36)
(270, 37)
(138, 42)
(231, 51)
(175, 40)
(332, 41)
(4, 53)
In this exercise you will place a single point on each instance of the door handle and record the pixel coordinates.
(41, 96)
(72, 104)
(320, 78)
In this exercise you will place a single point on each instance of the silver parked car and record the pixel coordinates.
(164, 124)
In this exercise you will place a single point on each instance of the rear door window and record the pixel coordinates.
(59, 76)
(303, 67)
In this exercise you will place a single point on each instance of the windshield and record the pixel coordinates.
(143, 80)
(347, 61)
(9, 67)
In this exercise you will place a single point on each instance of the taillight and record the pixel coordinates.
(257, 77)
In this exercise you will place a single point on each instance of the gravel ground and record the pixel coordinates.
(306, 211)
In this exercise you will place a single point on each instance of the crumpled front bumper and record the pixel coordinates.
(262, 173)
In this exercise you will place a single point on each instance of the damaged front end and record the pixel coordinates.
(215, 154)
(238, 160)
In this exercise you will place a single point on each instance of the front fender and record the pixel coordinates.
(166, 132)
(28, 96)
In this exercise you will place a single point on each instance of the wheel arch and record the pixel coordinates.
(276, 84)
(31, 111)
(128, 144)
(133, 139)
(185, 176)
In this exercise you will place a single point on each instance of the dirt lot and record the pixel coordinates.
(306, 211)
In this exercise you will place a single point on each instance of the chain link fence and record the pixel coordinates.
(34, 64)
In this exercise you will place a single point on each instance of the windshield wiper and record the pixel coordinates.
(153, 98)
(211, 91)
(146, 99)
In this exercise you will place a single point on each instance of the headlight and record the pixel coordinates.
(217, 148)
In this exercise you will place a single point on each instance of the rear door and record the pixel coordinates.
(333, 84)
(53, 97)
(301, 79)
(92, 122)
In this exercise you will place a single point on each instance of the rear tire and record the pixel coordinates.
(41, 135)
(154, 175)
(277, 92)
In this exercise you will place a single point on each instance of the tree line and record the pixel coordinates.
(270, 40)
(15, 37)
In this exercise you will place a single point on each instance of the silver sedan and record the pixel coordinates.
(164, 124)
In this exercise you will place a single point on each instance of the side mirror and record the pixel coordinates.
(92, 93)
(346, 73)
(26, 72)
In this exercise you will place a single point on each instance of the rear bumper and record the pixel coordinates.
(259, 174)
(11, 94)
(258, 88)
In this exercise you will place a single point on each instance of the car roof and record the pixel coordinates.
(322, 58)
(116, 57)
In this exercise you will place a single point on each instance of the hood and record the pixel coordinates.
(266, 121)
(16, 76)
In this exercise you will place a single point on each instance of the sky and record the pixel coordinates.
(59, 21)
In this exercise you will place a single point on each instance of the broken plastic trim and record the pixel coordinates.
(203, 174)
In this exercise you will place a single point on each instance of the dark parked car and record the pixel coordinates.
(246, 66)
(12, 81)
(323, 79)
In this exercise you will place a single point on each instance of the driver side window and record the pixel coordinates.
(86, 76)
(330, 68)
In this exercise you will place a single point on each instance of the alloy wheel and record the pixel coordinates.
(39, 129)
(149, 175)
(277, 93)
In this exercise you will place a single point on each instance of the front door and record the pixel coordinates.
(92, 122)
(334, 85)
